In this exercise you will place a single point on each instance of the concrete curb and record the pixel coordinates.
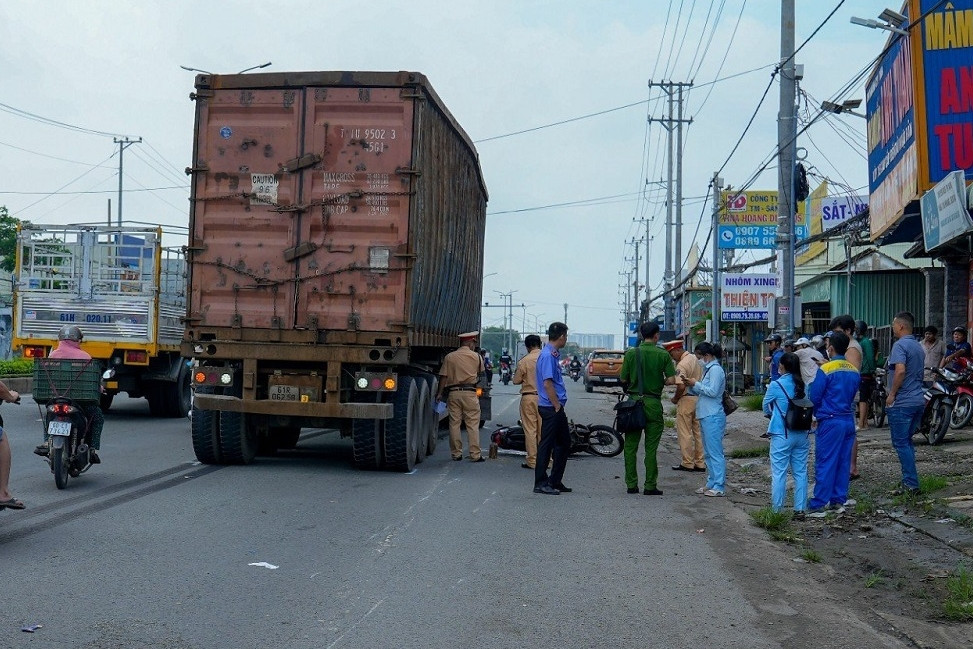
(22, 384)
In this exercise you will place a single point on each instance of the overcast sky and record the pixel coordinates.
(500, 66)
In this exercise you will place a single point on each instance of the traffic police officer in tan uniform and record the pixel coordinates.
(687, 426)
(530, 416)
(458, 377)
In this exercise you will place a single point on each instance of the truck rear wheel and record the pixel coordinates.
(424, 421)
(156, 398)
(366, 438)
(105, 401)
(401, 431)
(178, 396)
(238, 440)
(206, 436)
(433, 432)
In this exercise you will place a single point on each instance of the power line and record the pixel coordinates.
(45, 155)
(106, 191)
(53, 122)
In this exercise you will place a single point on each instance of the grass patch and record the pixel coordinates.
(811, 556)
(757, 451)
(669, 422)
(874, 579)
(770, 520)
(959, 603)
(865, 505)
(751, 402)
(931, 483)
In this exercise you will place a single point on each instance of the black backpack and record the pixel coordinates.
(799, 415)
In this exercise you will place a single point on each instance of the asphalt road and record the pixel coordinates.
(151, 549)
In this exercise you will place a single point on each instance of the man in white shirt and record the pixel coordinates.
(810, 359)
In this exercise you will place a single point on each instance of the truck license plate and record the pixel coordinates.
(285, 393)
(609, 379)
(59, 428)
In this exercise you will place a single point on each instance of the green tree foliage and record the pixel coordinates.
(8, 240)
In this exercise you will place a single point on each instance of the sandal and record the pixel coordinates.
(13, 503)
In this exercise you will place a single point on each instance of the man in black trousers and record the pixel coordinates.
(552, 395)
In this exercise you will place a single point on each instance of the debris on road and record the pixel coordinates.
(264, 564)
(30, 628)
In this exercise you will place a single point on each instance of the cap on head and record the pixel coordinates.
(959, 330)
(672, 345)
(469, 335)
(70, 332)
(773, 338)
(802, 342)
(817, 340)
(789, 342)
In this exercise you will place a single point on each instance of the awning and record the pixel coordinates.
(906, 230)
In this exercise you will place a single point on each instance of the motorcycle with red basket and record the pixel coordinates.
(67, 391)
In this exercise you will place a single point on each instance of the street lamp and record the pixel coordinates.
(256, 67)
(847, 106)
(188, 69)
(893, 22)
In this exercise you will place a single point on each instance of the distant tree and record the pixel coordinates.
(8, 240)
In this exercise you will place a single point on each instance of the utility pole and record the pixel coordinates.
(717, 309)
(786, 154)
(635, 282)
(123, 143)
(671, 88)
(565, 313)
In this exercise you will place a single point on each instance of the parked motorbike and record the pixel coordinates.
(940, 401)
(595, 439)
(575, 373)
(876, 408)
(963, 410)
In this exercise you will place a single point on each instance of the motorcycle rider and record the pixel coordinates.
(506, 361)
(956, 350)
(575, 364)
(69, 348)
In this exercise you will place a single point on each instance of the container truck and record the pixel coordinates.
(335, 253)
(127, 293)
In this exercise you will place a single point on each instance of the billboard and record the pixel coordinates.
(944, 88)
(746, 297)
(892, 151)
(749, 220)
(919, 104)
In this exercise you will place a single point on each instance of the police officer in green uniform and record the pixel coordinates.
(657, 371)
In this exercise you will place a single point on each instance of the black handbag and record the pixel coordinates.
(729, 404)
(630, 414)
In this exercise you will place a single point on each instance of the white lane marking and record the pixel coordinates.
(356, 624)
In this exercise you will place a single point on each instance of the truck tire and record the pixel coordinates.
(424, 421)
(366, 439)
(178, 395)
(401, 430)
(206, 436)
(238, 440)
(433, 417)
(156, 398)
(105, 401)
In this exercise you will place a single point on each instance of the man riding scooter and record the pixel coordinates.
(69, 348)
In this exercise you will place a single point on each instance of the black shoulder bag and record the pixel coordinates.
(630, 414)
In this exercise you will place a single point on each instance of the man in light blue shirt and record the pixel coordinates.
(551, 397)
(905, 402)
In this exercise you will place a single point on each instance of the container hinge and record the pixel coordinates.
(306, 248)
(201, 94)
(406, 255)
(201, 168)
(190, 319)
(412, 94)
(398, 324)
(295, 164)
(405, 171)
